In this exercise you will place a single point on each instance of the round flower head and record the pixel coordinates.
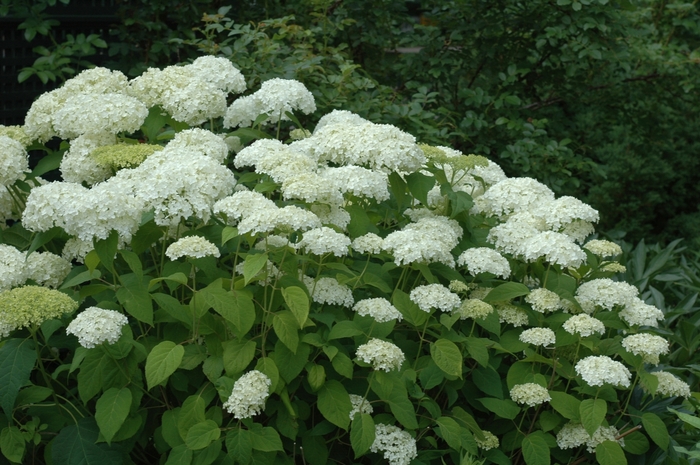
(359, 405)
(474, 308)
(538, 336)
(328, 290)
(584, 325)
(565, 210)
(113, 113)
(378, 308)
(17, 133)
(530, 394)
(32, 305)
(613, 267)
(556, 248)
(13, 161)
(249, 394)
(490, 441)
(513, 195)
(321, 241)
(79, 166)
(600, 370)
(370, 243)
(358, 181)
(574, 435)
(12, 267)
(277, 160)
(603, 248)
(670, 386)
(382, 355)
(639, 313)
(430, 239)
(604, 293)
(432, 296)
(543, 300)
(484, 260)
(511, 314)
(512, 235)
(311, 187)
(47, 269)
(398, 446)
(332, 215)
(202, 141)
(94, 325)
(647, 345)
(191, 247)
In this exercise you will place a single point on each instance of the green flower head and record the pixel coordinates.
(32, 305)
(123, 155)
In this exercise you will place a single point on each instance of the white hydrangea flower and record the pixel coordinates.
(513, 195)
(200, 140)
(242, 203)
(511, 314)
(474, 308)
(382, 355)
(273, 241)
(429, 239)
(14, 161)
(277, 160)
(94, 326)
(268, 274)
(543, 300)
(670, 386)
(538, 336)
(249, 394)
(604, 293)
(324, 240)
(370, 243)
(512, 235)
(358, 181)
(484, 260)
(113, 113)
(565, 210)
(613, 267)
(556, 248)
(530, 394)
(220, 72)
(47, 269)
(479, 292)
(97, 80)
(359, 405)
(76, 249)
(600, 370)
(311, 187)
(649, 346)
(489, 442)
(332, 214)
(398, 446)
(78, 166)
(458, 286)
(573, 435)
(603, 248)
(639, 313)
(328, 290)
(345, 117)
(378, 308)
(583, 324)
(431, 296)
(578, 230)
(192, 247)
(12, 267)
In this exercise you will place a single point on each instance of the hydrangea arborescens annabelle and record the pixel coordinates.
(573, 435)
(584, 325)
(604, 293)
(474, 308)
(191, 247)
(398, 446)
(359, 405)
(32, 305)
(382, 355)
(530, 394)
(47, 269)
(649, 346)
(14, 161)
(543, 300)
(94, 325)
(378, 308)
(249, 394)
(13, 270)
(484, 260)
(430, 239)
(670, 386)
(327, 290)
(431, 296)
(538, 336)
(489, 442)
(603, 248)
(601, 369)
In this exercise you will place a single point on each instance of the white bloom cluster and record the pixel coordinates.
(556, 248)
(484, 260)
(78, 166)
(513, 195)
(76, 249)
(249, 394)
(311, 187)
(94, 325)
(267, 275)
(275, 98)
(458, 286)
(601, 369)
(329, 291)
(489, 442)
(277, 160)
(603, 248)
(474, 308)
(324, 240)
(604, 293)
(511, 235)
(573, 435)
(530, 394)
(538, 336)
(12, 267)
(543, 300)
(511, 314)
(382, 355)
(565, 210)
(378, 308)
(670, 386)
(201, 141)
(358, 181)
(332, 215)
(14, 161)
(191, 247)
(370, 243)
(430, 239)
(117, 113)
(431, 296)
(398, 446)
(359, 405)
(649, 346)
(613, 267)
(639, 313)
(47, 269)
(583, 324)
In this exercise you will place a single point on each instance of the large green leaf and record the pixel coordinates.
(17, 360)
(447, 357)
(265, 439)
(362, 433)
(234, 306)
(12, 444)
(504, 408)
(610, 453)
(286, 327)
(252, 265)
(162, 362)
(506, 291)
(111, 410)
(298, 302)
(535, 450)
(134, 296)
(334, 403)
(238, 355)
(107, 248)
(239, 445)
(450, 431)
(592, 412)
(200, 435)
(567, 405)
(656, 429)
(419, 185)
(409, 309)
(401, 406)
(75, 445)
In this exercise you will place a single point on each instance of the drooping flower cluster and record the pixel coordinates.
(489, 442)
(192, 247)
(398, 446)
(359, 405)
(382, 355)
(94, 325)
(47, 269)
(601, 369)
(249, 394)
(530, 394)
(573, 435)
(12, 267)
(14, 161)
(670, 386)
(603, 248)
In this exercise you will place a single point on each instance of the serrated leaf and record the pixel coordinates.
(343, 329)
(238, 355)
(447, 357)
(75, 444)
(419, 185)
(266, 439)
(190, 414)
(656, 429)
(111, 410)
(17, 361)
(362, 433)
(285, 326)
(298, 302)
(334, 403)
(239, 445)
(228, 233)
(134, 296)
(592, 412)
(567, 405)
(409, 309)
(267, 366)
(506, 291)
(535, 450)
(252, 265)
(610, 453)
(234, 306)
(107, 248)
(504, 408)
(12, 444)
(401, 407)
(179, 455)
(200, 435)
(162, 362)
(451, 432)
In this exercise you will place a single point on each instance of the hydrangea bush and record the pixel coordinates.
(212, 282)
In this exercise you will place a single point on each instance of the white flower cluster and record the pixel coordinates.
(329, 291)
(382, 355)
(508, 313)
(94, 326)
(543, 300)
(249, 394)
(370, 243)
(639, 313)
(603, 248)
(201, 141)
(670, 386)
(484, 260)
(601, 369)
(538, 336)
(649, 346)
(324, 240)
(489, 442)
(431, 296)
(359, 405)
(584, 325)
(398, 446)
(573, 435)
(429, 239)
(358, 181)
(78, 166)
(47, 269)
(14, 161)
(474, 308)
(513, 195)
(277, 160)
(530, 394)
(192, 247)
(12, 267)
(332, 215)
(378, 308)
(604, 293)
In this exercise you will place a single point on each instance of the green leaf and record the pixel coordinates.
(689, 419)
(202, 434)
(134, 296)
(239, 445)
(179, 455)
(267, 366)
(362, 433)
(154, 122)
(656, 429)
(289, 363)
(107, 248)
(190, 414)
(33, 395)
(234, 306)
(343, 329)
(252, 265)
(316, 376)
(451, 432)
(401, 407)
(111, 410)
(266, 439)
(12, 444)
(506, 291)
(447, 357)
(636, 443)
(504, 408)
(75, 444)
(285, 326)
(48, 163)
(162, 362)
(567, 405)
(409, 309)
(237, 356)
(478, 349)
(343, 365)
(43, 238)
(592, 412)
(133, 261)
(81, 278)
(535, 450)
(298, 302)
(228, 233)
(17, 360)
(610, 453)
(419, 185)
(334, 403)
